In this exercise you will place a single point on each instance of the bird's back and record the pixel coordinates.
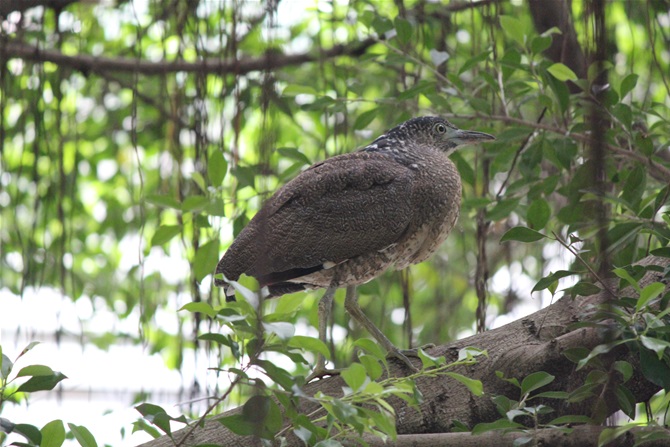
(347, 219)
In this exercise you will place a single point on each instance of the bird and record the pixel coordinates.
(346, 220)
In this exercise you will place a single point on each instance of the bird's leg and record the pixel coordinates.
(325, 308)
(352, 307)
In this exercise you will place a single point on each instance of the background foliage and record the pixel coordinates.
(139, 137)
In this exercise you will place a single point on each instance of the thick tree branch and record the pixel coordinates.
(87, 64)
(537, 342)
(578, 436)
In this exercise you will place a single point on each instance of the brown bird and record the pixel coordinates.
(345, 220)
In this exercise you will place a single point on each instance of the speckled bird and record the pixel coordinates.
(347, 219)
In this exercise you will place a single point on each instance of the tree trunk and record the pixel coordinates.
(535, 343)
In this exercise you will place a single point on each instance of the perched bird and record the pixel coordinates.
(345, 220)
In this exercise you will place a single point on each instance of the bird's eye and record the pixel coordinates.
(440, 128)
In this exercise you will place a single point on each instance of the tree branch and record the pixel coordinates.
(537, 342)
(578, 436)
(272, 59)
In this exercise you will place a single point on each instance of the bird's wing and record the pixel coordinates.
(338, 209)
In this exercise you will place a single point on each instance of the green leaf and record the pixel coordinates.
(540, 43)
(502, 209)
(610, 434)
(355, 376)
(164, 233)
(571, 419)
(655, 370)
(550, 279)
(403, 30)
(162, 201)
(623, 274)
(522, 234)
(30, 432)
(538, 213)
(309, 344)
(372, 366)
(202, 307)
(294, 154)
(535, 380)
(500, 424)
(562, 72)
(6, 366)
(205, 259)
(627, 84)
(428, 360)
(83, 435)
(194, 203)
(295, 90)
(598, 350)
(35, 370)
(626, 400)
(216, 168)
(584, 288)
(53, 434)
(371, 347)
(365, 118)
(647, 294)
(475, 386)
(382, 24)
(625, 368)
(238, 424)
(514, 28)
(655, 344)
(41, 383)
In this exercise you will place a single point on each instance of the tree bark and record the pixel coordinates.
(535, 343)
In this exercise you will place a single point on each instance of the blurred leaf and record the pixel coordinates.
(205, 260)
(627, 84)
(30, 432)
(41, 383)
(538, 214)
(164, 233)
(309, 344)
(53, 434)
(403, 30)
(655, 370)
(216, 168)
(35, 370)
(540, 43)
(550, 279)
(365, 118)
(522, 234)
(201, 307)
(294, 154)
(562, 72)
(513, 28)
(163, 201)
(500, 424)
(83, 435)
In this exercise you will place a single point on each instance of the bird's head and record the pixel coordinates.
(434, 131)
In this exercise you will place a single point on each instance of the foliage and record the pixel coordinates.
(124, 187)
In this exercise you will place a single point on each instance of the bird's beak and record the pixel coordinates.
(470, 136)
